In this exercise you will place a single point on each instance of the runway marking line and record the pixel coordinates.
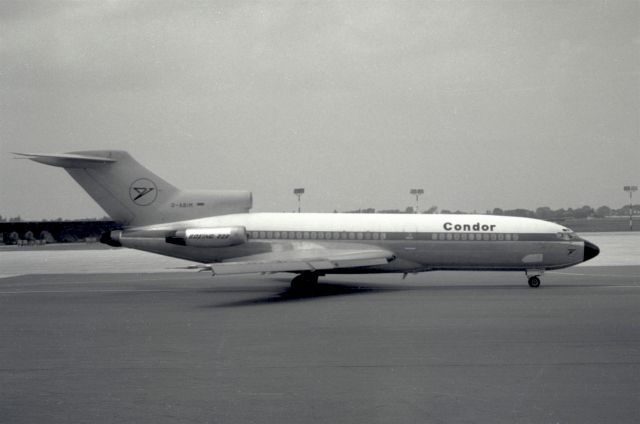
(613, 286)
(618, 286)
(588, 275)
(85, 291)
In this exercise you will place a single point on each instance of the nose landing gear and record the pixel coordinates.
(534, 282)
(533, 277)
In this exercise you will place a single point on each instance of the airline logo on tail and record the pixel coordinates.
(143, 192)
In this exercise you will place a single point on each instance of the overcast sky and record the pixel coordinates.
(482, 104)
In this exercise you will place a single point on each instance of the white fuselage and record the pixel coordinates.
(419, 242)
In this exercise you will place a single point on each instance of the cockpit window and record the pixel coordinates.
(566, 235)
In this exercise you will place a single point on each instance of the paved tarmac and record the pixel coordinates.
(436, 347)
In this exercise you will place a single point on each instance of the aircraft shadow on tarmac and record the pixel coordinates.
(332, 289)
(318, 291)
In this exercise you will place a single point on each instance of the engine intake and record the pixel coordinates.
(209, 237)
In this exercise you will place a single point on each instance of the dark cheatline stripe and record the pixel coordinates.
(403, 236)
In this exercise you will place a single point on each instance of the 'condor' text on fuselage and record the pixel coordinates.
(448, 226)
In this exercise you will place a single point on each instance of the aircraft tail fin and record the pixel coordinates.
(134, 196)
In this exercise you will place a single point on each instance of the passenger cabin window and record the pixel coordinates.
(451, 236)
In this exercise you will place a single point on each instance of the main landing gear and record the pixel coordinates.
(305, 281)
(533, 276)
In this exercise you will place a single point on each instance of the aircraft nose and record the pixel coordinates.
(590, 250)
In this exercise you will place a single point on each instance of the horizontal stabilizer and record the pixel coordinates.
(67, 160)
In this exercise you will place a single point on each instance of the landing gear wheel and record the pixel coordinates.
(534, 282)
(305, 281)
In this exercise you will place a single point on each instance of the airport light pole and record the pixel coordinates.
(298, 192)
(417, 192)
(630, 189)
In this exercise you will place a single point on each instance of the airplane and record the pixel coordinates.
(216, 229)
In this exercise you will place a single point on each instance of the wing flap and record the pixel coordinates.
(300, 261)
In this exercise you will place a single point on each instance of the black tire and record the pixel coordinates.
(306, 280)
(534, 282)
(298, 282)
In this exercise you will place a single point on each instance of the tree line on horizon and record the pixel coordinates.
(543, 212)
(59, 219)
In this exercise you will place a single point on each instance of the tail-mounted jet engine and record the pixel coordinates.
(209, 237)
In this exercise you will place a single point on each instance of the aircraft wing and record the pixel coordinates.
(301, 260)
